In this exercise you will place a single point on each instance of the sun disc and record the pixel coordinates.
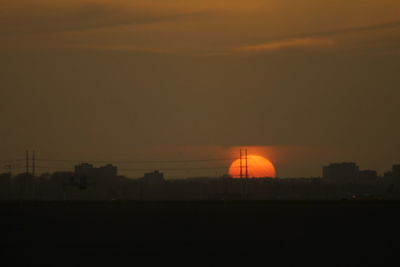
(257, 167)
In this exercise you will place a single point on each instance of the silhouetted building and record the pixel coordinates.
(396, 170)
(341, 171)
(395, 173)
(5, 186)
(387, 175)
(155, 177)
(23, 185)
(86, 174)
(88, 170)
(367, 175)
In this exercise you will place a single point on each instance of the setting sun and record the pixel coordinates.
(257, 167)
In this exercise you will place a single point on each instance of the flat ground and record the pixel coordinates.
(68, 233)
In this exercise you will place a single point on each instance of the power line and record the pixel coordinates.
(11, 160)
(143, 169)
(135, 161)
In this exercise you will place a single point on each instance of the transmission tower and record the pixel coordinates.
(33, 163)
(27, 162)
(247, 176)
(244, 180)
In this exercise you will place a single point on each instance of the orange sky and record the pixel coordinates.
(315, 80)
(196, 27)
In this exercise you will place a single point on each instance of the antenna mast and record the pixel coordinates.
(241, 172)
(27, 162)
(33, 163)
(241, 175)
(247, 176)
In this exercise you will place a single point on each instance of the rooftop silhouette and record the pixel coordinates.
(87, 182)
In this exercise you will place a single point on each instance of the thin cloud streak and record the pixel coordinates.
(118, 48)
(332, 33)
(311, 40)
(285, 44)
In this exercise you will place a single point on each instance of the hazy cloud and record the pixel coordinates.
(332, 33)
(45, 18)
(312, 40)
(284, 44)
(375, 27)
(120, 48)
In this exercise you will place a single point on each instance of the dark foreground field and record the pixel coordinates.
(345, 233)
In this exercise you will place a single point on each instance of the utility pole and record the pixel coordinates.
(241, 174)
(27, 162)
(33, 163)
(247, 173)
(247, 176)
(9, 167)
(33, 174)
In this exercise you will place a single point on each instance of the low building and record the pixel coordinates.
(396, 170)
(155, 177)
(88, 170)
(86, 174)
(394, 173)
(367, 175)
(341, 171)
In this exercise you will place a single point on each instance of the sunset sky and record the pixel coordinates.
(304, 83)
